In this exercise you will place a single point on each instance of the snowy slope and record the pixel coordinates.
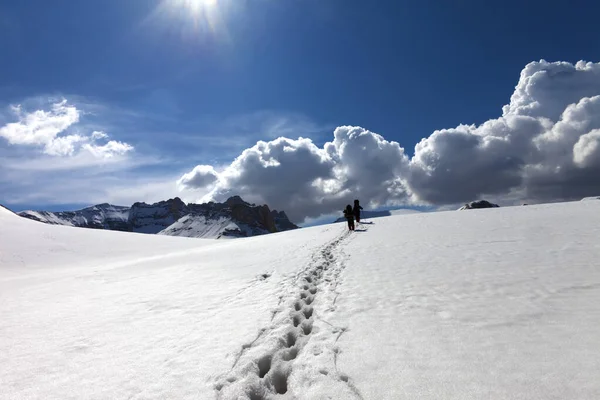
(497, 304)
(200, 226)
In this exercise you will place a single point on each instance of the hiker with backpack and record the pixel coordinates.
(356, 210)
(349, 215)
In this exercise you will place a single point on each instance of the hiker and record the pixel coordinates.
(356, 210)
(349, 215)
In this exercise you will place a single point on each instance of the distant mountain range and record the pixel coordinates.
(232, 219)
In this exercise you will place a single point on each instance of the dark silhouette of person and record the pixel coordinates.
(349, 215)
(356, 210)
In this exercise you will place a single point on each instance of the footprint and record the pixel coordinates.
(323, 371)
(344, 377)
(264, 365)
(309, 300)
(305, 287)
(308, 279)
(306, 327)
(303, 295)
(290, 338)
(290, 354)
(297, 306)
(313, 290)
(308, 312)
(279, 381)
(297, 319)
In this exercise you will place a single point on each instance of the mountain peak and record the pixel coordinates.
(236, 200)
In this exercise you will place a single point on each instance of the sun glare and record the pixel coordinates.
(196, 17)
(197, 5)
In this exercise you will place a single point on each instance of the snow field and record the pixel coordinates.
(295, 356)
(494, 303)
(149, 326)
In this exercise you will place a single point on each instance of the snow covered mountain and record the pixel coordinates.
(474, 205)
(445, 305)
(233, 219)
(101, 216)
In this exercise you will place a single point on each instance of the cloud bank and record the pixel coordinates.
(545, 146)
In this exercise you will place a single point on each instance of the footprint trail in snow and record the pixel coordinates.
(295, 357)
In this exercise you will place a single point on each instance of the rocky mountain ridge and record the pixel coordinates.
(231, 219)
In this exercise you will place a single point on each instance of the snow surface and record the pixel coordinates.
(368, 214)
(495, 303)
(199, 226)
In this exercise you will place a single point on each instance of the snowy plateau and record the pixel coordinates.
(499, 303)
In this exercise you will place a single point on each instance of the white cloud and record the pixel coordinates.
(41, 128)
(63, 145)
(200, 177)
(52, 130)
(297, 175)
(49, 154)
(586, 151)
(545, 146)
(546, 89)
(108, 150)
(97, 135)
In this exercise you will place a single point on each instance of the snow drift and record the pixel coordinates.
(485, 304)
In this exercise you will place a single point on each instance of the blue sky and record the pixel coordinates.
(192, 82)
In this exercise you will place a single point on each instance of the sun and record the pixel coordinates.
(198, 5)
(195, 7)
(196, 18)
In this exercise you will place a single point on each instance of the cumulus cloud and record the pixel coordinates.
(306, 180)
(546, 89)
(199, 178)
(282, 172)
(545, 146)
(586, 151)
(53, 131)
(41, 128)
(111, 149)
